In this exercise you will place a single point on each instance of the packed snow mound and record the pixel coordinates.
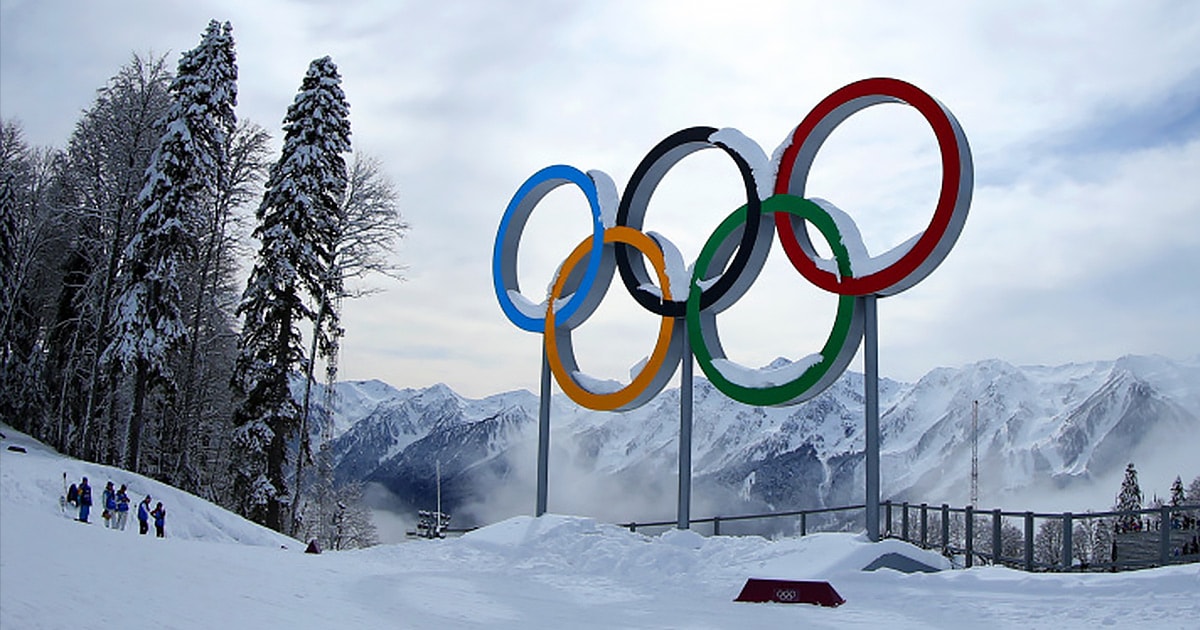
(34, 479)
(615, 552)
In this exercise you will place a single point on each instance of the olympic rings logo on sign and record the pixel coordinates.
(732, 257)
(787, 595)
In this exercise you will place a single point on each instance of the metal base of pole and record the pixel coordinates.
(871, 393)
(685, 439)
(543, 461)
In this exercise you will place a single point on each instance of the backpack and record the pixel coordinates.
(72, 494)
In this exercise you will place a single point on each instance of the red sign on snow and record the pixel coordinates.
(790, 592)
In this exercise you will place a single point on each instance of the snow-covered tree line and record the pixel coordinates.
(128, 334)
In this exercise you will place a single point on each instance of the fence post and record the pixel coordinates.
(1164, 534)
(996, 542)
(970, 535)
(887, 518)
(716, 526)
(804, 523)
(1029, 541)
(924, 525)
(1068, 528)
(904, 521)
(945, 528)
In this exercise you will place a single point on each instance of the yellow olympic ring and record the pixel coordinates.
(561, 355)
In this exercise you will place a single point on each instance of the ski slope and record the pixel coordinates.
(216, 570)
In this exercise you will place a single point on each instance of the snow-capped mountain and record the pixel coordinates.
(1038, 428)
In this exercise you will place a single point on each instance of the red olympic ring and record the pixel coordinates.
(950, 214)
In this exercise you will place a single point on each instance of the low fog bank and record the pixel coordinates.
(649, 492)
(392, 517)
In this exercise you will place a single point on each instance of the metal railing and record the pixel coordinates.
(1092, 541)
(716, 521)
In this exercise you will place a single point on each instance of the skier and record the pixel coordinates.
(85, 500)
(73, 496)
(110, 504)
(160, 519)
(144, 516)
(122, 508)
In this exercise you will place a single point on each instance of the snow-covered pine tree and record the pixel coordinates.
(184, 170)
(298, 227)
(1193, 491)
(28, 234)
(1130, 498)
(1177, 495)
(325, 287)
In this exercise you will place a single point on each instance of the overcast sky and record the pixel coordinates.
(1082, 241)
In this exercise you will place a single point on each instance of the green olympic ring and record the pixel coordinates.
(802, 379)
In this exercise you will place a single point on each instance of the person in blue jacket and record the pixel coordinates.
(110, 505)
(122, 508)
(160, 519)
(144, 516)
(85, 500)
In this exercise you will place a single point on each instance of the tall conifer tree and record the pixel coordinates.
(1178, 497)
(185, 167)
(298, 227)
(1130, 498)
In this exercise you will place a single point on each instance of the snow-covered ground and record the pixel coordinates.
(216, 570)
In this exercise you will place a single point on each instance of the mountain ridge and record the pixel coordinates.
(1040, 427)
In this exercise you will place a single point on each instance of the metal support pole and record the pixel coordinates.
(804, 523)
(904, 521)
(543, 462)
(685, 437)
(437, 521)
(871, 393)
(996, 542)
(924, 525)
(887, 517)
(1068, 528)
(716, 526)
(1029, 541)
(970, 523)
(945, 527)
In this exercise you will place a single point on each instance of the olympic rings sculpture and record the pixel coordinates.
(732, 257)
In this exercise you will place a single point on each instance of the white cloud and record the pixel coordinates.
(1079, 244)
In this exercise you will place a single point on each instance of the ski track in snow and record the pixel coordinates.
(216, 570)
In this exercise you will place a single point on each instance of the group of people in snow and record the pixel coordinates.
(116, 508)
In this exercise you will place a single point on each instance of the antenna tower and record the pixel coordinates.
(975, 454)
